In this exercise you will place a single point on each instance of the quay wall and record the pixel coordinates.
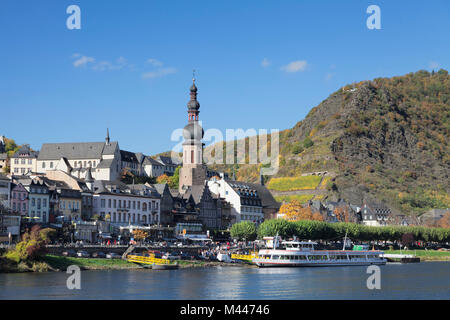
(58, 250)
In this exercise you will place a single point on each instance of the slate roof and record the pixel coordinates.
(3, 156)
(128, 156)
(153, 162)
(247, 191)
(160, 188)
(196, 192)
(25, 152)
(78, 150)
(105, 163)
(167, 161)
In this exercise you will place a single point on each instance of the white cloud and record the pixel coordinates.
(159, 73)
(103, 65)
(82, 61)
(155, 63)
(295, 66)
(120, 63)
(433, 65)
(265, 63)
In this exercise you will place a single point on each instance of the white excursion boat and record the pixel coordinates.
(302, 254)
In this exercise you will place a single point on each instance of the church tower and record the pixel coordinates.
(193, 171)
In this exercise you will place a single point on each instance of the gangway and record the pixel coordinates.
(151, 261)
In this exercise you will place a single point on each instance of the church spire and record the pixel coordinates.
(193, 105)
(107, 136)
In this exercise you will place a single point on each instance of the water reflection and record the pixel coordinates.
(408, 281)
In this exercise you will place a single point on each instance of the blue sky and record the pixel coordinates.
(260, 64)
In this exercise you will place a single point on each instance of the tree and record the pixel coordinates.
(307, 143)
(270, 228)
(175, 179)
(164, 178)
(32, 246)
(297, 148)
(407, 239)
(444, 222)
(294, 211)
(140, 235)
(243, 230)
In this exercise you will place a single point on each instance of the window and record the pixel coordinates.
(43, 165)
(30, 161)
(44, 203)
(114, 203)
(51, 164)
(33, 202)
(109, 203)
(102, 203)
(22, 161)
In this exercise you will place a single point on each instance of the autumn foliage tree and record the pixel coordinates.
(140, 235)
(164, 178)
(444, 222)
(294, 211)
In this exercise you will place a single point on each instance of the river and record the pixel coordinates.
(425, 280)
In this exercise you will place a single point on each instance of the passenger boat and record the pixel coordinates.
(302, 254)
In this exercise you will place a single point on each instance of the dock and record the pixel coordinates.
(403, 258)
(152, 262)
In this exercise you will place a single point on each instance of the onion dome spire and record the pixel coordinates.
(193, 105)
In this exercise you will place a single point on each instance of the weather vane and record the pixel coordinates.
(193, 75)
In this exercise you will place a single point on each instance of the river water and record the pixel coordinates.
(425, 280)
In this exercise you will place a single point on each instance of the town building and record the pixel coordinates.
(3, 155)
(169, 165)
(2, 144)
(123, 205)
(130, 162)
(23, 161)
(3, 162)
(81, 185)
(9, 227)
(166, 205)
(245, 200)
(38, 201)
(373, 215)
(19, 199)
(5, 192)
(152, 167)
(76, 158)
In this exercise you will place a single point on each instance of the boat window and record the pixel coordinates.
(275, 257)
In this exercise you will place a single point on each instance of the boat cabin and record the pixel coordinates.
(299, 245)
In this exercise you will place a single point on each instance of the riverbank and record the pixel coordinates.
(424, 255)
(61, 263)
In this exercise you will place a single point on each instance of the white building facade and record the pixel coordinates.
(244, 199)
